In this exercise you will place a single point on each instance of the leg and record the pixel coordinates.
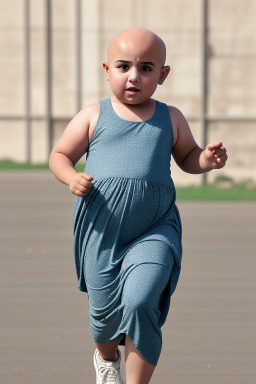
(138, 369)
(141, 302)
(108, 351)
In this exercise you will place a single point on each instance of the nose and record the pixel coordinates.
(134, 75)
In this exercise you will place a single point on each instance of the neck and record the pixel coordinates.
(134, 112)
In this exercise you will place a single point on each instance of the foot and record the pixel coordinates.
(107, 372)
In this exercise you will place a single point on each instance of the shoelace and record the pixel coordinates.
(109, 375)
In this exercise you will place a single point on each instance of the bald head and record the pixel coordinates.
(140, 42)
(135, 56)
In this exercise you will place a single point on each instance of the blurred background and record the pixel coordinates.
(51, 67)
(51, 54)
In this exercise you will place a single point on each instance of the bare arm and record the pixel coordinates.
(72, 145)
(186, 152)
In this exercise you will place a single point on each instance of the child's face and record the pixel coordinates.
(135, 66)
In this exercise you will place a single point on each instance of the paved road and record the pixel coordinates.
(210, 334)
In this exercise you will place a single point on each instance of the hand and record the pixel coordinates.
(215, 155)
(80, 184)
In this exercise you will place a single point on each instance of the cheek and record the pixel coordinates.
(115, 78)
(150, 82)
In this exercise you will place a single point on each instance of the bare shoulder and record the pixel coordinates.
(86, 120)
(183, 140)
(76, 137)
(92, 109)
(178, 120)
(88, 114)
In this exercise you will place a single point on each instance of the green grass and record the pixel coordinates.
(224, 189)
(8, 165)
(239, 192)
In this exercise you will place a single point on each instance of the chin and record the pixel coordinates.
(133, 101)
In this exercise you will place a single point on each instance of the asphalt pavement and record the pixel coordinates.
(210, 333)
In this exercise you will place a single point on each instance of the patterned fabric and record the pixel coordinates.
(127, 230)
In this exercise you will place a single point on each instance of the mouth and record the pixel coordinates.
(133, 89)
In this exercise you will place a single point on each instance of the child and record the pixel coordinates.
(127, 229)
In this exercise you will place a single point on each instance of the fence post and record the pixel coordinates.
(204, 89)
(48, 75)
(27, 80)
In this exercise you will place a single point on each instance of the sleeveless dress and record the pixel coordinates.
(127, 230)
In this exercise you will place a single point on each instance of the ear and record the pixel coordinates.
(106, 69)
(163, 74)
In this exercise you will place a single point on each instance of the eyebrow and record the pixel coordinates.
(129, 62)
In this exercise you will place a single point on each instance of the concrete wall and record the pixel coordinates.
(232, 82)
(231, 71)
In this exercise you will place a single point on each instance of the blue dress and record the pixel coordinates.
(127, 230)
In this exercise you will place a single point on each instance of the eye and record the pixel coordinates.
(146, 68)
(124, 67)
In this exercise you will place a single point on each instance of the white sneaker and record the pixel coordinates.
(107, 373)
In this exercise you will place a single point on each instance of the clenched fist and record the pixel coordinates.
(80, 184)
(215, 155)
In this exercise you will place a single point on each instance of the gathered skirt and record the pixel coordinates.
(128, 251)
